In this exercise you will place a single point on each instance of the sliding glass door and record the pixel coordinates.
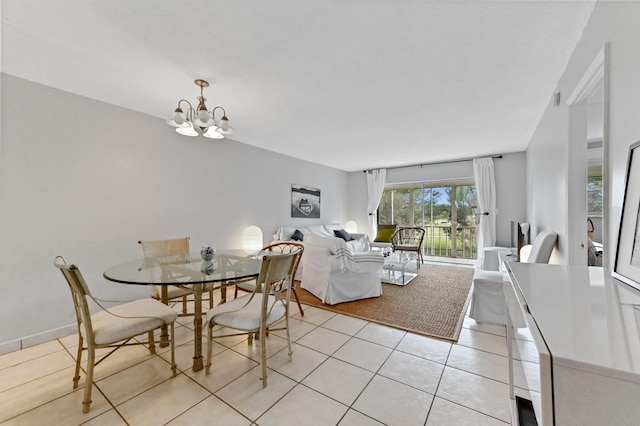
(444, 211)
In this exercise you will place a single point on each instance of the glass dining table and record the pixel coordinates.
(227, 268)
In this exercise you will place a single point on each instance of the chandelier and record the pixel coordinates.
(200, 118)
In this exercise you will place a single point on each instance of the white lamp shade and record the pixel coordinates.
(252, 239)
(212, 133)
(178, 119)
(188, 130)
(351, 227)
(203, 119)
(223, 126)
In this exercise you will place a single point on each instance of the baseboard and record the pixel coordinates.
(36, 339)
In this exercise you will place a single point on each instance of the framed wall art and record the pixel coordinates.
(626, 267)
(305, 202)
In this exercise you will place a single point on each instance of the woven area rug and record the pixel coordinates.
(432, 304)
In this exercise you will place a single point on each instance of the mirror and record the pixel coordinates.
(595, 183)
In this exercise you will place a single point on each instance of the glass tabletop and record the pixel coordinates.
(226, 265)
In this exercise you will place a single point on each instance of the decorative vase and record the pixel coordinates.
(207, 267)
(207, 252)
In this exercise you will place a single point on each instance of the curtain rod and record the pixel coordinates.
(434, 163)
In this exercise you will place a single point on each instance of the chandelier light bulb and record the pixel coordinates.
(223, 127)
(177, 119)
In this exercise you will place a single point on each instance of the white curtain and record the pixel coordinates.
(375, 186)
(486, 186)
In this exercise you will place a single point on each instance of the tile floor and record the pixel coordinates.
(345, 371)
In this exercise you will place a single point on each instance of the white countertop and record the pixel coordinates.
(587, 319)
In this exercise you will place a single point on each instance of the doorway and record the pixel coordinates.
(587, 178)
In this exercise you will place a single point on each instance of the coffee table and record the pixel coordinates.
(394, 270)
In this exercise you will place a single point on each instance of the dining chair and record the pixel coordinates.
(254, 313)
(111, 327)
(409, 239)
(172, 250)
(280, 247)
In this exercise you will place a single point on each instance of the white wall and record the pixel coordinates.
(547, 155)
(87, 180)
(510, 188)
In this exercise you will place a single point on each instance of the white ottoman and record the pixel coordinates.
(491, 259)
(487, 302)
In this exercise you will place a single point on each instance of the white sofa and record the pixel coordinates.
(335, 274)
(360, 243)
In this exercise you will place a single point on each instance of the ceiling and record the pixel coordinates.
(351, 84)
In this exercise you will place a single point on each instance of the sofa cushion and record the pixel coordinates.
(343, 234)
(384, 235)
(297, 235)
(284, 234)
(333, 244)
(320, 230)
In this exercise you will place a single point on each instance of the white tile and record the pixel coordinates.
(445, 413)
(183, 335)
(247, 395)
(483, 363)
(31, 394)
(354, 418)
(478, 393)
(483, 341)
(184, 355)
(133, 381)
(414, 371)
(34, 368)
(13, 358)
(110, 418)
(324, 340)
(121, 359)
(315, 315)
(339, 380)
(381, 334)
(164, 402)
(425, 347)
(393, 403)
(225, 368)
(303, 361)
(274, 344)
(211, 408)
(303, 406)
(367, 355)
(470, 323)
(66, 410)
(297, 329)
(345, 324)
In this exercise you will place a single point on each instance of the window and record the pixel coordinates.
(594, 196)
(444, 211)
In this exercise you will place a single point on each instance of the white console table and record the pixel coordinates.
(574, 344)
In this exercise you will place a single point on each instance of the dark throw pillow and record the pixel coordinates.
(297, 236)
(342, 234)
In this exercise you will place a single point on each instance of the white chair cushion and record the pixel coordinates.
(236, 315)
(141, 316)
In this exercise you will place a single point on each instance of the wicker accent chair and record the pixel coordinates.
(172, 250)
(281, 247)
(111, 328)
(256, 312)
(409, 239)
